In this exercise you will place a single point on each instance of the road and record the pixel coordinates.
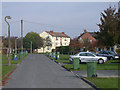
(38, 71)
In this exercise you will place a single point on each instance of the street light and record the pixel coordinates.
(9, 59)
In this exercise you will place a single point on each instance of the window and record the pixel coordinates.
(101, 52)
(89, 54)
(83, 54)
(65, 39)
(90, 40)
(56, 43)
(56, 38)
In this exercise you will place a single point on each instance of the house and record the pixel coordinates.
(53, 40)
(90, 36)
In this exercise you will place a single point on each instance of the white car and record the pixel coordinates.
(88, 56)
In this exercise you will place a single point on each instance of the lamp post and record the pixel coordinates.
(9, 56)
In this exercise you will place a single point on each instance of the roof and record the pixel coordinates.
(57, 34)
(93, 34)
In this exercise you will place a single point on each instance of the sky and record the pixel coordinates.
(69, 17)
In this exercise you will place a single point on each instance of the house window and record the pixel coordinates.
(56, 38)
(47, 48)
(65, 39)
(56, 43)
(90, 40)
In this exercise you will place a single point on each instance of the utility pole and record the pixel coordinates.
(9, 56)
(31, 46)
(22, 38)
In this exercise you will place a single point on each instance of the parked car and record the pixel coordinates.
(86, 56)
(109, 54)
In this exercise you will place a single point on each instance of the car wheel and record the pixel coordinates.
(111, 58)
(100, 61)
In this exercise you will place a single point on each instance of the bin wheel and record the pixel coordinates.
(100, 61)
(79, 61)
(94, 75)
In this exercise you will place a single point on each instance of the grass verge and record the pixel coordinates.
(6, 69)
(105, 82)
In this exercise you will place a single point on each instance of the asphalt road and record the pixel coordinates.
(38, 71)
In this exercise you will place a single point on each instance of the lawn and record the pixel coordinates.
(5, 59)
(6, 69)
(105, 82)
(99, 66)
(62, 57)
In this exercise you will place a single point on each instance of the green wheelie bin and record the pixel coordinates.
(75, 63)
(91, 69)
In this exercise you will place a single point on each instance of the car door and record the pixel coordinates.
(83, 57)
(91, 56)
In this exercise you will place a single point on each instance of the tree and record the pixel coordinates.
(47, 43)
(37, 41)
(75, 45)
(109, 33)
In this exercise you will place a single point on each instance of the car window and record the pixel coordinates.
(82, 54)
(101, 52)
(105, 52)
(89, 54)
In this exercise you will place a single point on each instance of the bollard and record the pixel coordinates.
(54, 55)
(58, 56)
(75, 63)
(15, 57)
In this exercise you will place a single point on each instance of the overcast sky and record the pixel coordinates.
(71, 18)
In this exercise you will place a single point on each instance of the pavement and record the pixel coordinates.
(100, 73)
(38, 71)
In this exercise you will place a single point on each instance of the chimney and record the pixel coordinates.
(63, 33)
(51, 31)
(85, 31)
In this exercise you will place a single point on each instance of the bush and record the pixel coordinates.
(118, 51)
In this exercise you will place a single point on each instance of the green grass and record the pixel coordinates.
(99, 66)
(5, 60)
(64, 57)
(105, 82)
(62, 61)
(6, 69)
(112, 61)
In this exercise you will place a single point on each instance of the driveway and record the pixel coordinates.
(38, 71)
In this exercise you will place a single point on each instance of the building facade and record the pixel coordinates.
(53, 40)
(90, 36)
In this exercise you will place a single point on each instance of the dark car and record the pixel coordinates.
(109, 54)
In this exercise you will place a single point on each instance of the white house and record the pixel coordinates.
(57, 39)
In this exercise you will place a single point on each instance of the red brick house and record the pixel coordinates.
(88, 39)
(90, 36)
